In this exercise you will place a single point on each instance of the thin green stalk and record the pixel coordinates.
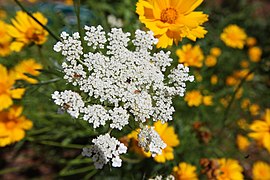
(76, 171)
(48, 82)
(234, 95)
(55, 144)
(35, 19)
(9, 170)
(77, 8)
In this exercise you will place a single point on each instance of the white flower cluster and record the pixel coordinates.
(119, 79)
(114, 22)
(159, 177)
(150, 141)
(98, 115)
(105, 148)
(70, 101)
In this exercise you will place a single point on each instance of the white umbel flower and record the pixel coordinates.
(159, 177)
(70, 101)
(105, 148)
(150, 141)
(129, 79)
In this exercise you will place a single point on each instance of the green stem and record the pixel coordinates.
(76, 171)
(55, 144)
(48, 82)
(234, 95)
(35, 19)
(9, 170)
(77, 5)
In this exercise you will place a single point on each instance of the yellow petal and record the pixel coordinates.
(5, 101)
(17, 93)
(16, 46)
(3, 74)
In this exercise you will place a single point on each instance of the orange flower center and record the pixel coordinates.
(168, 15)
(33, 34)
(10, 124)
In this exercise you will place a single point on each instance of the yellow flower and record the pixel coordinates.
(242, 123)
(208, 100)
(210, 61)
(255, 54)
(26, 31)
(239, 93)
(261, 171)
(28, 66)
(229, 169)
(231, 81)
(7, 91)
(69, 2)
(190, 56)
(225, 101)
(234, 36)
(254, 109)
(198, 76)
(242, 142)
(185, 171)
(3, 14)
(245, 104)
(214, 79)
(244, 64)
(261, 131)
(215, 51)
(172, 20)
(251, 41)
(5, 40)
(242, 74)
(166, 133)
(13, 126)
(169, 137)
(194, 98)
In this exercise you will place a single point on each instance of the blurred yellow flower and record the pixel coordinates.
(210, 61)
(26, 31)
(5, 40)
(69, 2)
(254, 109)
(242, 142)
(244, 64)
(7, 91)
(225, 101)
(242, 74)
(261, 131)
(172, 20)
(229, 169)
(3, 14)
(13, 126)
(261, 171)
(242, 123)
(231, 81)
(169, 137)
(28, 66)
(198, 76)
(251, 41)
(185, 171)
(255, 54)
(234, 36)
(215, 51)
(207, 100)
(239, 93)
(190, 56)
(166, 133)
(193, 98)
(245, 104)
(214, 79)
